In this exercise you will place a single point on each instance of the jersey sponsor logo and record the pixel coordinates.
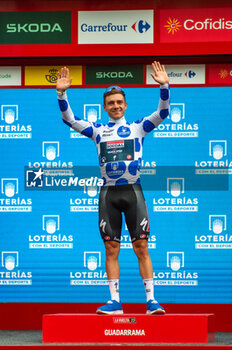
(113, 151)
(103, 226)
(144, 224)
(123, 131)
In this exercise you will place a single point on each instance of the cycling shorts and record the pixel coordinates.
(127, 199)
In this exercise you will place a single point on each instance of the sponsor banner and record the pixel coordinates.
(10, 76)
(217, 237)
(115, 27)
(176, 274)
(180, 74)
(47, 75)
(114, 75)
(196, 25)
(39, 27)
(220, 74)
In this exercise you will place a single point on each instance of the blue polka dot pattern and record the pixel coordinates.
(137, 145)
(115, 170)
(139, 121)
(76, 118)
(98, 138)
(164, 113)
(133, 167)
(110, 124)
(88, 131)
(97, 125)
(164, 94)
(63, 105)
(148, 126)
(67, 123)
(142, 140)
(137, 181)
(121, 181)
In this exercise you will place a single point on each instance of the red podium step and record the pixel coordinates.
(128, 328)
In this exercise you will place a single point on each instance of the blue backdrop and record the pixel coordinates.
(50, 246)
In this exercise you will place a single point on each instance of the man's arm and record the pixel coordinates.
(147, 124)
(84, 127)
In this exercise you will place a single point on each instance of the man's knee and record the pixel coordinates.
(112, 249)
(141, 249)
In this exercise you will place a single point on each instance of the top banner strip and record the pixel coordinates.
(196, 25)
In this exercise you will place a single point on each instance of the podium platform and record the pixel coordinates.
(128, 328)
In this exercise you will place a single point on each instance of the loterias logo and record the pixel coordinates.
(115, 27)
(40, 27)
(195, 25)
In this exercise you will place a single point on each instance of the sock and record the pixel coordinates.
(114, 289)
(149, 289)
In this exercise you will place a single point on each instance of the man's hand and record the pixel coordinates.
(63, 80)
(160, 74)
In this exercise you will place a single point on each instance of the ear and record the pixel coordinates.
(104, 106)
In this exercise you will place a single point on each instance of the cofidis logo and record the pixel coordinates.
(196, 25)
(115, 27)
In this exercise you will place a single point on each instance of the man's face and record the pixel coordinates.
(115, 106)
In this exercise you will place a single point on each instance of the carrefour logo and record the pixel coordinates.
(115, 27)
(141, 26)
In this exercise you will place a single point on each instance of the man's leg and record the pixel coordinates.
(145, 265)
(110, 222)
(112, 264)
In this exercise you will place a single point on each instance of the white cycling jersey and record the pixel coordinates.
(119, 143)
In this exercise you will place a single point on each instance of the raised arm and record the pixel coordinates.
(160, 74)
(63, 80)
(147, 124)
(84, 127)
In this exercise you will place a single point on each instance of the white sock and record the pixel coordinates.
(114, 289)
(149, 289)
